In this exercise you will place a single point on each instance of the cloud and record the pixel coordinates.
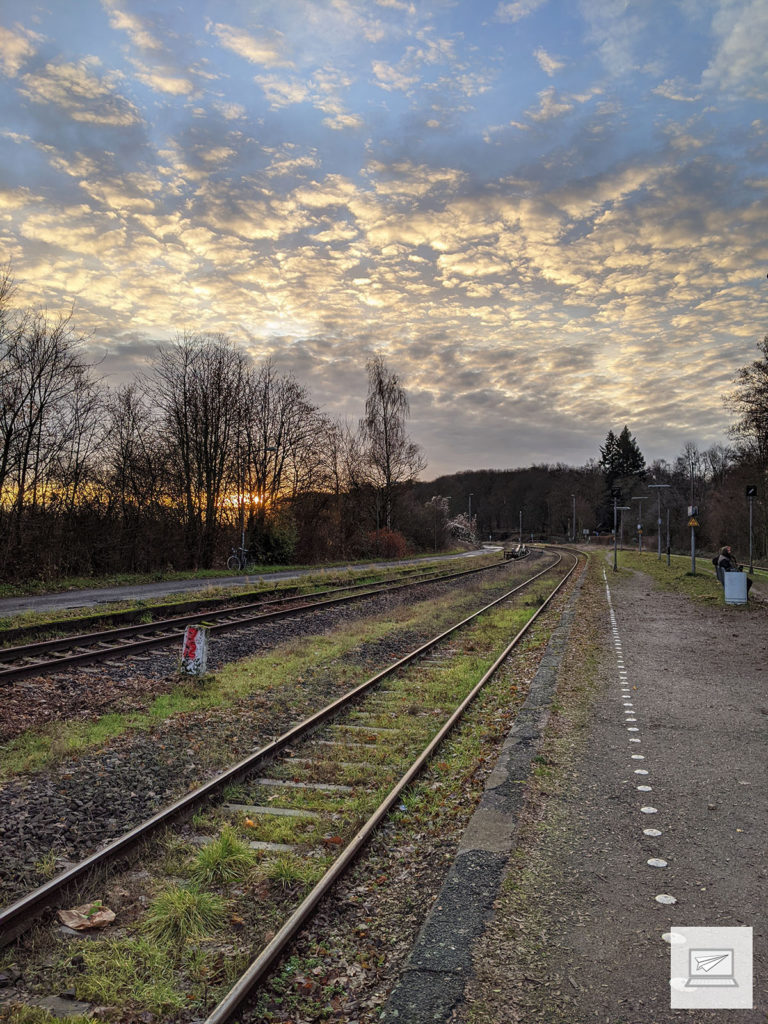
(80, 94)
(389, 77)
(551, 105)
(548, 63)
(283, 91)
(343, 121)
(414, 68)
(265, 51)
(676, 89)
(740, 65)
(15, 51)
(124, 21)
(617, 30)
(517, 9)
(163, 80)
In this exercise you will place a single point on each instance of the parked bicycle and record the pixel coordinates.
(241, 559)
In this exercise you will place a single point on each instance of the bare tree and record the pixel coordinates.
(749, 400)
(282, 452)
(42, 372)
(131, 451)
(391, 456)
(198, 387)
(81, 435)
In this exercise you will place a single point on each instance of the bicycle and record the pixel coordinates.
(239, 559)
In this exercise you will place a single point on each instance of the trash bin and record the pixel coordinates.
(735, 587)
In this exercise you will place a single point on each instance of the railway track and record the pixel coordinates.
(320, 788)
(40, 657)
(103, 619)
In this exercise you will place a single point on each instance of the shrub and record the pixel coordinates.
(387, 543)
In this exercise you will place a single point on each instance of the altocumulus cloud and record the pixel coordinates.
(533, 209)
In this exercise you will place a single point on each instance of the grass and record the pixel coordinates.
(224, 861)
(287, 871)
(282, 668)
(61, 584)
(36, 1015)
(166, 963)
(430, 817)
(677, 577)
(180, 913)
(46, 866)
(128, 972)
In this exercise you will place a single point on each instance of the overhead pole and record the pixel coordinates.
(658, 487)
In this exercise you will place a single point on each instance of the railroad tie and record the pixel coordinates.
(289, 784)
(288, 812)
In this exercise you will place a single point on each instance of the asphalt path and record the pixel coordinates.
(141, 591)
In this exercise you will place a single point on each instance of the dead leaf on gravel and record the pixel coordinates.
(89, 915)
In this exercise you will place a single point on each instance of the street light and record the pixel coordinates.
(616, 508)
(751, 495)
(641, 499)
(658, 522)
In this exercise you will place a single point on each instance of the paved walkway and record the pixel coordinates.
(662, 823)
(141, 591)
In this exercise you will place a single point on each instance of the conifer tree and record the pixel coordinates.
(621, 456)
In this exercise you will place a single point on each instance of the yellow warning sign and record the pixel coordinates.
(693, 522)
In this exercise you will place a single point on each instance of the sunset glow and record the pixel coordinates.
(551, 217)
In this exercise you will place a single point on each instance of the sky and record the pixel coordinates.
(549, 216)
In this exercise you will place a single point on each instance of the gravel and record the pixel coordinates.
(82, 803)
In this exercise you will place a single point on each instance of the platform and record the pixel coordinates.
(651, 813)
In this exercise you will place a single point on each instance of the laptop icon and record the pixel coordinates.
(711, 967)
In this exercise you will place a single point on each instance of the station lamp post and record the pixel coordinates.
(616, 508)
(658, 488)
(751, 495)
(641, 499)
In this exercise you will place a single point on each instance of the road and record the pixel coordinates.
(142, 591)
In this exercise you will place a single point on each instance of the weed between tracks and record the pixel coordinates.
(157, 962)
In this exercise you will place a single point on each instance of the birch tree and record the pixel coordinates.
(391, 456)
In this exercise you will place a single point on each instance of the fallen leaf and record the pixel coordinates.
(89, 915)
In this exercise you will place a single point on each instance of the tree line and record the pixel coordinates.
(203, 450)
(207, 449)
(560, 502)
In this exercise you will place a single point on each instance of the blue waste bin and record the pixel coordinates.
(735, 584)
